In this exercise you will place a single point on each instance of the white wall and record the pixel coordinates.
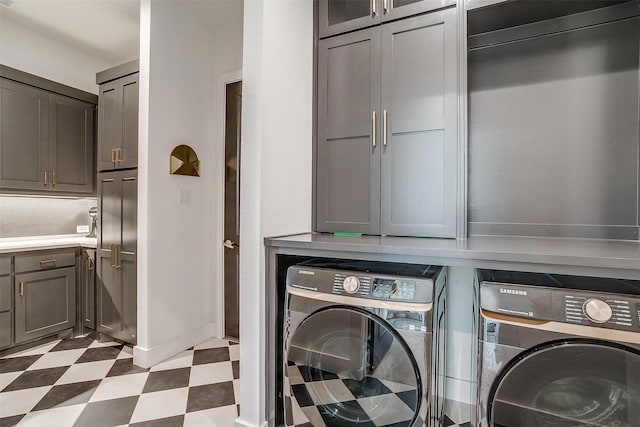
(276, 165)
(179, 57)
(29, 51)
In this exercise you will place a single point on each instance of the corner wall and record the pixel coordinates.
(276, 173)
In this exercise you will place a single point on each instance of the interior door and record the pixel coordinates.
(233, 116)
(568, 384)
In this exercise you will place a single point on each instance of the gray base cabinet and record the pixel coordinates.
(46, 141)
(387, 129)
(45, 302)
(116, 284)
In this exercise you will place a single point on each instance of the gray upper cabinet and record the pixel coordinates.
(348, 155)
(118, 124)
(71, 143)
(46, 140)
(387, 129)
(341, 16)
(419, 117)
(24, 136)
(116, 285)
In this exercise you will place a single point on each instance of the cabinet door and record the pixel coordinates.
(24, 133)
(109, 216)
(109, 294)
(348, 147)
(395, 9)
(70, 145)
(45, 302)
(89, 291)
(341, 16)
(109, 124)
(129, 310)
(128, 155)
(419, 95)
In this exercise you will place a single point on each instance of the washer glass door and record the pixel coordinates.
(569, 384)
(347, 366)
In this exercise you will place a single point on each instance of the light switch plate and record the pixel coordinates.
(82, 229)
(184, 197)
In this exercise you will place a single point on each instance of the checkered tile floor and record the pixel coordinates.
(81, 382)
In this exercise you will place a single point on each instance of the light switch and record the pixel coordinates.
(184, 197)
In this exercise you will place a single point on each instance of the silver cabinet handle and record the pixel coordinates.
(374, 9)
(373, 128)
(21, 289)
(230, 244)
(384, 128)
(44, 178)
(53, 178)
(385, 6)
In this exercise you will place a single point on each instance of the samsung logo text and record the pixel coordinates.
(513, 292)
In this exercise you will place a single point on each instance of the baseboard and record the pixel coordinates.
(147, 357)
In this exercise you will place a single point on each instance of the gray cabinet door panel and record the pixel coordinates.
(129, 102)
(5, 329)
(109, 295)
(402, 8)
(89, 292)
(47, 303)
(5, 293)
(71, 145)
(419, 87)
(24, 135)
(341, 16)
(129, 209)
(5, 265)
(108, 210)
(109, 123)
(348, 163)
(129, 297)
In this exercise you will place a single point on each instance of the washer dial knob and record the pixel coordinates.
(351, 284)
(597, 310)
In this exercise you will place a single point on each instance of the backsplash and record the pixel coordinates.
(42, 216)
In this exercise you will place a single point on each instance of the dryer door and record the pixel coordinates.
(338, 374)
(568, 384)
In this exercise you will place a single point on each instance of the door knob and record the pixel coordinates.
(231, 245)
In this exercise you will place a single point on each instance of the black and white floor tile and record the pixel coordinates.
(82, 382)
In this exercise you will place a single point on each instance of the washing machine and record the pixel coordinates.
(364, 344)
(558, 351)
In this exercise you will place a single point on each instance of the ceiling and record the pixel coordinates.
(106, 29)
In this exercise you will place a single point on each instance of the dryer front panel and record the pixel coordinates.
(348, 366)
(567, 384)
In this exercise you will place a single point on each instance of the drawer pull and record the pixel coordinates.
(21, 288)
(90, 264)
(117, 266)
(47, 261)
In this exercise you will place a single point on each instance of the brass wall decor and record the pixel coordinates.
(184, 161)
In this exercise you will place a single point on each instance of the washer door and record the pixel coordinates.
(569, 384)
(343, 366)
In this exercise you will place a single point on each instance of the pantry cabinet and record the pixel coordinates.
(387, 129)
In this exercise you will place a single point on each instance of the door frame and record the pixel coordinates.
(218, 200)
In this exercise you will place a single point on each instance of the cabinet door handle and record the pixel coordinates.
(385, 6)
(117, 265)
(374, 9)
(90, 264)
(118, 155)
(44, 178)
(113, 250)
(384, 128)
(21, 289)
(53, 178)
(373, 128)
(47, 261)
(113, 155)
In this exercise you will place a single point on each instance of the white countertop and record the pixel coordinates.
(33, 243)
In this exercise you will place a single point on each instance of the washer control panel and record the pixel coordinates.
(394, 289)
(606, 310)
(351, 284)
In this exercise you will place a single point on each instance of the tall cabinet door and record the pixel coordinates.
(23, 146)
(71, 145)
(116, 284)
(128, 155)
(419, 103)
(348, 145)
(109, 124)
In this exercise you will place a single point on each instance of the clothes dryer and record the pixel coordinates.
(558, 351)
(364, 344)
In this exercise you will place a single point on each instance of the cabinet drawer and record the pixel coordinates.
(5, 265)
(45, 260)
(5, 293)
(5, 329)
